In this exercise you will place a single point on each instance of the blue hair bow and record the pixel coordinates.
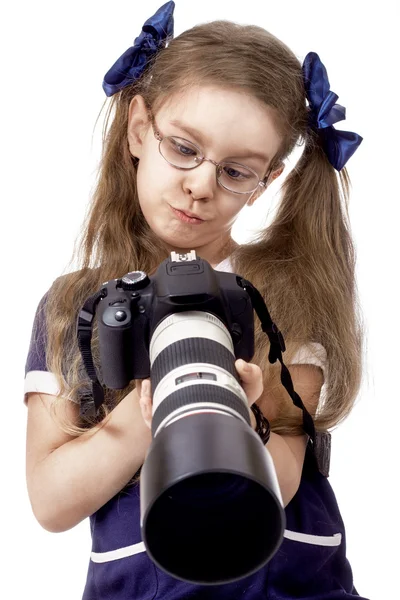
(132, 63)
(339, 146)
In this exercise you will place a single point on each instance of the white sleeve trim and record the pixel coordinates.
(40, 381)
(314, 354)
(311, 354)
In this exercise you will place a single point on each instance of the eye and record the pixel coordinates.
(181, 149)
(235, 173)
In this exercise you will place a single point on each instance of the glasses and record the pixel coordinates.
(185, 155)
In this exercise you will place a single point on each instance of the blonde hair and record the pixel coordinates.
(303, 263)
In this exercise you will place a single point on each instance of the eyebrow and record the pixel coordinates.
(198, 136)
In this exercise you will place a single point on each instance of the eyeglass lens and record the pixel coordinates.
(185, 155)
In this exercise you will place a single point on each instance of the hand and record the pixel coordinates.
(251, 381)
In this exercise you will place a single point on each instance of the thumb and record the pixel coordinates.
(251, 379)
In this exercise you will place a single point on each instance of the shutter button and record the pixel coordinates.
(120, 315)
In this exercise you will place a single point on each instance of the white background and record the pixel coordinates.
(54, 56)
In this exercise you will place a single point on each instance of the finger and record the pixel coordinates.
(146, 412)
(146, 388)
(146, 402)
(138, 386)
(251, 379)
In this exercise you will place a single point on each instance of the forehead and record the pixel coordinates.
(224, 118)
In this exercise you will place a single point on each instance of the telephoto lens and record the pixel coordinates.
(211, 507)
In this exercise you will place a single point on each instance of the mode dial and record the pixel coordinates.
(135, 280)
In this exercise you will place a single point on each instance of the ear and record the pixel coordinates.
(138, 124)
(278, 171)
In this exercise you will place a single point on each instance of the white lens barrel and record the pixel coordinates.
(183, 382)
(189, 324)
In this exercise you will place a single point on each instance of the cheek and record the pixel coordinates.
(155, 179)
(232, 210)
(144, 179)
(155, 190)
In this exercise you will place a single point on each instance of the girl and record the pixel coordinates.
(201, 125)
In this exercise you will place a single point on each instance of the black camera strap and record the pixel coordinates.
(90, 403)
(320, 440)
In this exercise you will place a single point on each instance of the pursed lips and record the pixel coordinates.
(188, 213)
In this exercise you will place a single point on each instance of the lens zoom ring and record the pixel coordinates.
(192, 350)
(198, 394)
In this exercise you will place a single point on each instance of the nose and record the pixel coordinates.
(201, 182)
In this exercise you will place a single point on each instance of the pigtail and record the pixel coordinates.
(304, 265)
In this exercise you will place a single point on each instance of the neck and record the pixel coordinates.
(214, 254)
(217, 256)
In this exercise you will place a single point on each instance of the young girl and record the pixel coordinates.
(201, 125)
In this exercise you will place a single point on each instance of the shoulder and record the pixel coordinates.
(307, 380)
(80, 278)
(68, 293)
(276, 403)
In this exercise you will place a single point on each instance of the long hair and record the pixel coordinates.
(303, 263)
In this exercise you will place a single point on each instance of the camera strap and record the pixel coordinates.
(90, 403)
(320, 440)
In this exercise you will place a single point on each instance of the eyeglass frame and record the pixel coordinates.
(261, 182)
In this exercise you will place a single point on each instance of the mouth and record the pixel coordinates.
(187, 217)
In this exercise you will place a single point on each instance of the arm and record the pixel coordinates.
(68, 477)
(288, 451)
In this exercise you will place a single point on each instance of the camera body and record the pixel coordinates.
(136, 304)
